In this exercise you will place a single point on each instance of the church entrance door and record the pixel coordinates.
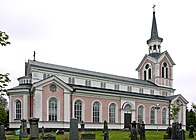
(127, 120)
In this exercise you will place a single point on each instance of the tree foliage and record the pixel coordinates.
(191, 116)
(4, 80)
(174, 111)
(4, 39)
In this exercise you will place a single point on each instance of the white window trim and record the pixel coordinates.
(116, 112)
(83, 108)
(58, 108)
(100, 113)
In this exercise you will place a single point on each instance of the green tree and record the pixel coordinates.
(174, 112)
(4, 80)
(4, 39)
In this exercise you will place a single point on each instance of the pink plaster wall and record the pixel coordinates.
(147, 107)
(13, 100)
(46, 94)
(141, 72)
(104, 103)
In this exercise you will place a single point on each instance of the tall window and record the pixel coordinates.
(18, 109)
(147, 72)
(140, 114)
(112, 109)
(152, 115)
(78, 110)
(96, 111)
(52, 109)
(164, 115)
(164, 70)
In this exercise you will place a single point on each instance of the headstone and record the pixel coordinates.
(174, 134)
(2, 132)
(24, 128)
(20, 136)
(169, 132)
(191, 135)
(142, 131)
(82, 127)
(181, 134)
(42, 137)
(105, 131)
(34, 130)
(73, 135)
(133, 131)
(49, 137)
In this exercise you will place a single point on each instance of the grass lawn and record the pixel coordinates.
(113, 135)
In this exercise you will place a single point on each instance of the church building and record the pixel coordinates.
(55, 93)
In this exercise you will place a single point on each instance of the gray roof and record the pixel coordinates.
(90, 73)
(155, 55)
(118, 92)
(21, 86)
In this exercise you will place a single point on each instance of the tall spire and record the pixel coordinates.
(155, 41)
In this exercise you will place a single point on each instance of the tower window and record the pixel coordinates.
(154, 47)
(164, 70)
(147, 72)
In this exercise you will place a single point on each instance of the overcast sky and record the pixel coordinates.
(107, 36)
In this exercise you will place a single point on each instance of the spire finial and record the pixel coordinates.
(34, 56)
(153, 7)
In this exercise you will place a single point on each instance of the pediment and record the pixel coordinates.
(53, 79)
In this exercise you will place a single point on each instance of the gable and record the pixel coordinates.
(52, 80)
(165, 55)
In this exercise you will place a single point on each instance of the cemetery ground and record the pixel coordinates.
(113, 135)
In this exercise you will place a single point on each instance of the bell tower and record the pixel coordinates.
(156, 66)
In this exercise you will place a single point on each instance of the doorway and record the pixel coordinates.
(127, 120)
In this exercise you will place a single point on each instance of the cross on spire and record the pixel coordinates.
(34, 56)
(153, 7)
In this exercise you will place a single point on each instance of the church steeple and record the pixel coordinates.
(155, 41)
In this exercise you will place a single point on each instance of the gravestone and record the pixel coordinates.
(82, 127)
(34, 130)
(142, 131)
(49, 137)
(177, 132)
(168, 132)
(2, 132)
(191, 135)
(42, 136)
(24, 128)
(105, 131)
(133, 131)
(181, 134)
(20, 136)
(73, 135)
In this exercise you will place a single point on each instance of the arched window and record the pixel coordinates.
(78, 110)
(96, 111)
(164, 115)
(164, 70)
(112, 110)
(140, 114)
(147, 72)
(52, 109)
(128, 107)
(152, 115)
(18, 109)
